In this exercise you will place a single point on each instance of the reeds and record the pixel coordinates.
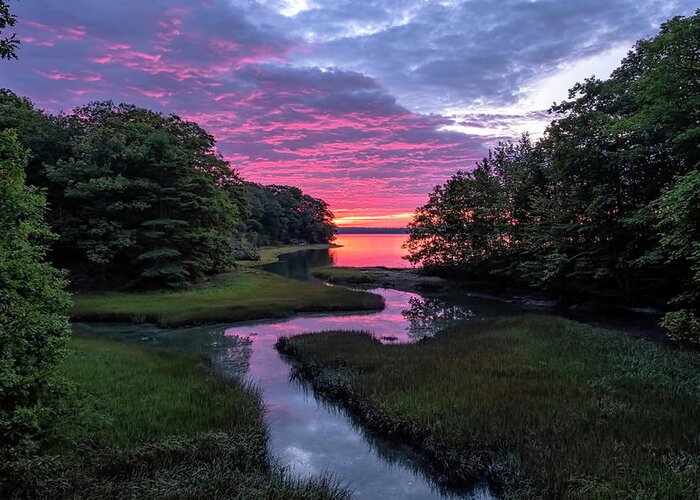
(538, 406)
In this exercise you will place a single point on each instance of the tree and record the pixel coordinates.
(678, 213)
(599, 208)
(8, 45)
(144, 199)
(667, 91)
(462, 225)
(283, 214)
(47, 137)
(33, 303)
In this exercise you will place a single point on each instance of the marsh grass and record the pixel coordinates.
(235, 296)
(539, 406)
(123, 394)
(351, 275)
(142, 422)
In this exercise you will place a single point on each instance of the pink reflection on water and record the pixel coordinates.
(389, 322)
(370, 250)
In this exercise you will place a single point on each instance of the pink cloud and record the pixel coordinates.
(336, 134)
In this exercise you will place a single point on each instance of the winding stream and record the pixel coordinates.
(307, 435)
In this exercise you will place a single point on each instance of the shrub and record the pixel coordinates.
(682, 325)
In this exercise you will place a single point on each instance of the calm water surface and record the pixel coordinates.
(360, 250)
(308, 435)
(357, 250)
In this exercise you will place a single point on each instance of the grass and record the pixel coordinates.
(240, 295)
(271, 254)
(148, 423)
(539, 406)
(351, 275)
(135, 394)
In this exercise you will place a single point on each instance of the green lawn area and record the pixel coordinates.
(138, 422)
(244, 294)
(540, 406)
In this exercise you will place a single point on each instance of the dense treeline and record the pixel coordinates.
(141, 199)
(606, 205)
(284, 214)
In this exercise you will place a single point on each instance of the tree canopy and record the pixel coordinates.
(603, 206)
(141, 199)
(8, 44)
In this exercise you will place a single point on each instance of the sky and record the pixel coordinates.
(366, 104)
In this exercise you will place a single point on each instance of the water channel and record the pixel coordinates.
(310, 436)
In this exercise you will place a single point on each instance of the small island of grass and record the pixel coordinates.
(539, 406)
(345, 275)
(410, 280)
(239, 295)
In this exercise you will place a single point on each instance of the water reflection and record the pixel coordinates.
(233, 358)
(312, 436)
(359, 250)
(396, 454)
(362, 250)
(298, 265)
(428, 315)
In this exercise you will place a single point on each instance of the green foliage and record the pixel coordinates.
(603, 205)
(677, 214)
(47, 137)
(143, 199)
(160, 393)
(33, 303)
(208, 465)
(8, 45)
(667, 92)
(276, 215)
(682, 325)
(462, 221)
(540, 406)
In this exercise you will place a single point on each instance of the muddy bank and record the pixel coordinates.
(406, 280)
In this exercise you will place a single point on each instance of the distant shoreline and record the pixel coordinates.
(372, 230)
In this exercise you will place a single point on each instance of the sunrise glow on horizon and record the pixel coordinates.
(374, 221)
(366, 105)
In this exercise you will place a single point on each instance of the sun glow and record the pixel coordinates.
(389, 220)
